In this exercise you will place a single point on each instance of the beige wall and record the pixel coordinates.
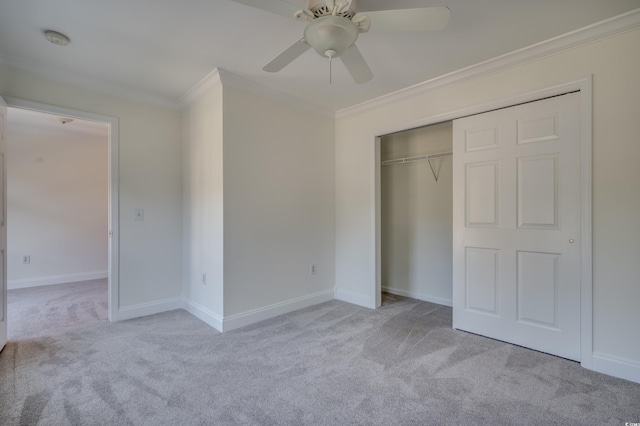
(258, 207)
(150, 178)
(278, 208)
(203, 203)
(57, 193)
(614, 64)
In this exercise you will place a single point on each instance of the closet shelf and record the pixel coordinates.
(428, 157)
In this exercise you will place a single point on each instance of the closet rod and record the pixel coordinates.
(416, 158)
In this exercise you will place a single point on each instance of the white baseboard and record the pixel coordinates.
(150, 308)
(617, 367)
(204, 314)
(355, 298)
(419, 296)
(56, 279)
(233, 322)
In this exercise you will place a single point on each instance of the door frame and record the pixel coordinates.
(113, 266)
(584, 87)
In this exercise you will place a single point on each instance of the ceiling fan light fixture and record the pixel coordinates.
(331, 36)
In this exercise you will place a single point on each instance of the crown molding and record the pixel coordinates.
(242, 83)
(608, 28)
(209, 83)
(220, 77)
(21, 66)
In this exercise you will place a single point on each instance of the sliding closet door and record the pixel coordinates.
(516, 265)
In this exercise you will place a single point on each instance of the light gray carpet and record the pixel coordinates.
(331, 364)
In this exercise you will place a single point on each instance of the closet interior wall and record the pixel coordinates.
(417, 224)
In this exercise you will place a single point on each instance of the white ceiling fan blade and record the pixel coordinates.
(280, 7)
(421, 19)
(288, 56)
(356, 65)
(371, 5)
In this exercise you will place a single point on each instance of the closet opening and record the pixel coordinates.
(416, 213)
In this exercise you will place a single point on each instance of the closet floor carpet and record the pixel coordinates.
(330, 364)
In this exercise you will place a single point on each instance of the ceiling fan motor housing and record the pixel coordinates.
(331, 36)
(321, 8)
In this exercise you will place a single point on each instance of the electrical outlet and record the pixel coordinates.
(26, 259)
(204, 279)
(312, 269)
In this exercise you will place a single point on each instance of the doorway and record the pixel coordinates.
(111, 231)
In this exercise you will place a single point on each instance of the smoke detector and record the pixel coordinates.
(65, 120)
(56, 38)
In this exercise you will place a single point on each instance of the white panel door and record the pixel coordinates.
(516, 255)
(3, 225)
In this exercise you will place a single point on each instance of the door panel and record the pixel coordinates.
(537, 288)
(517, 225)
(538, 192)
(482, 280)
(482, 194)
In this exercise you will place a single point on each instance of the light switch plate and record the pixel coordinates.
(138, 214)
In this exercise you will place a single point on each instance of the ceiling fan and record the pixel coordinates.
(333, 27)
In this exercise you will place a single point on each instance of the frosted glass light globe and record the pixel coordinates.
(331, 36)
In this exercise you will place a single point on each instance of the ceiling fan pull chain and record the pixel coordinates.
(330, 54)
(330, 62)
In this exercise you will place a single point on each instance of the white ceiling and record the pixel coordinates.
(159, 49)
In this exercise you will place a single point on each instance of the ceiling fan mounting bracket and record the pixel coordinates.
(344, 8)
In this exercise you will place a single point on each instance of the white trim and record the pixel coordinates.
(64, 132)
(3, 229)
(610, 27)
(233, 322)
(114, 197)
(114, 217)
(241, 83)
(572, 86)
(204, 314)
(23, 67)
(355, 298)
(419, 296)
(586, 275)
(586, 225)
(57, 110)
(616, 366)
(209, 83)
(150, 308)
(56, 279)
(219, 77)
(377, 222)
